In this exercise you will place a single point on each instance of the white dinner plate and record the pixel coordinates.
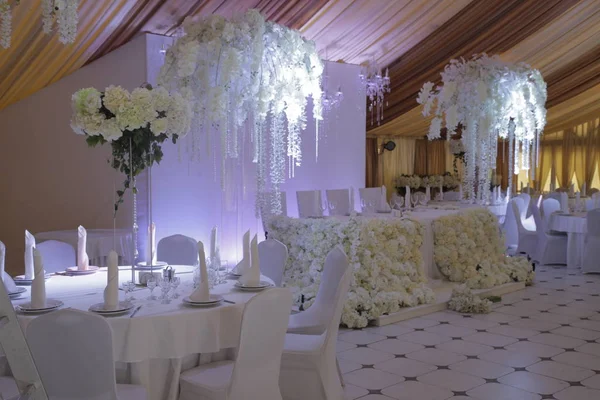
(122, 307)
(17, 292)
(158, 265)
(20, 279)
(214, 300)
(261, 286)
(50, 306)
(76, 271)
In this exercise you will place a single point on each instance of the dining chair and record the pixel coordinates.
(375, 196)
(551, 248)
(309, 365)
(510, 223)
(255, 372)
(73, 351)
(549, 206)
(272, 257)
(177, 250)
(25, 382)
(397, 201)
(591, 253)
(309, 203)
(340, 199)
(527, 239)
(57, 255)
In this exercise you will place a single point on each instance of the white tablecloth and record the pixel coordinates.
(162, 339)
(99, 242)
(575, 225)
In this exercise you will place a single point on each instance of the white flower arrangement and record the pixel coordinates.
(384, 254)
(5, 24)
(248, 69)
(456, 146)
(412, 181)
(491, 99)
(468, 248)
(464, 301)
(447, 180)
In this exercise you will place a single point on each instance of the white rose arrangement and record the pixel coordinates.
(464, 301)
(134, 123)
(384, 254)
(469, 248)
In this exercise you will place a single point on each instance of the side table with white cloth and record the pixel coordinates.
(161, 340)
(99, 242)
(575, 226)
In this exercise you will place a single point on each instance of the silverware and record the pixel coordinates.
(229, 301)
(135, 311)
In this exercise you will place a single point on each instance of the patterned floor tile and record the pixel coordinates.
(533, 382)
(481, 368)
(490, 339)
(364, 355)
(352, 392)
(497, 391)
(560, 371)
(405, 367)
(372, 379)
(508, 358)
(578, 393)
(413, 390)
(396, 347)
(466, 348)
(436, 357)
(424, 338)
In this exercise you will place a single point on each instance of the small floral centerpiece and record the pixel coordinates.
(135, 124)
(412, 181)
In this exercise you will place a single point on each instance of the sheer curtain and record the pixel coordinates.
(431, 157)
(400, 161)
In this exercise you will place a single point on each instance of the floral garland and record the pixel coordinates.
(464, 301)
(135, 123)
(496, 100)
(5, 24)
(448, 181)
(469, 248)
(384, 254)
(246, 70)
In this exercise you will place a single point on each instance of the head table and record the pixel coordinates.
(161, 340)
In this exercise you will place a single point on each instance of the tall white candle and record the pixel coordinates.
(111, 292)
(213, 243)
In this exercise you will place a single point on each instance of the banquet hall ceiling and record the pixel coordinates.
(415, 38)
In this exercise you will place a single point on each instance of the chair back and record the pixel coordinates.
(589, 205)
(272, 257)
(594, 191)
(177, 250)
(549, 206)
(539, 202)
(564, 202)
(375, 196)
(517, 214)
(539, 222)
(593, 222)
(596, 199)
(510, 223)
(73, 352)
(17, 352)
(57, 255)
(262, 336)
(334, 268)
(340, 199)
(309, 203)
(525, 207)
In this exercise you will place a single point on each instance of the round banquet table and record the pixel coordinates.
(99, 242)
(161, 340)
(575, 225)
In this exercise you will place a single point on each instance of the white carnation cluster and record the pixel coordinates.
(116, 110)
(412, 181)
(491, 99)
(468, 248)
(383, 253)
(464, 301)
(448, 181)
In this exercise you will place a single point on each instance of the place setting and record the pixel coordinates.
(111, 306)
(201, 296)
(38, 303)
(83, 266)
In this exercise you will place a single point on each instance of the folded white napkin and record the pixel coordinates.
(407, 197)
(428, 193)
(202, 292)
(111, 292)
(151, 245)
(244, 263)
(38, 286)
(9, 284)
(252, 276)
(213, 244)
(29, 246)
(83, 261)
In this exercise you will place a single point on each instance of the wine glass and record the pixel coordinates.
(151, 284)
(165, 286)
(332, 207)
(125, 287)
(174, 283)
(363, 205)
(131, 285)
(414, 199)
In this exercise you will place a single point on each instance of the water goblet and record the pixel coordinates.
(131, 285)
(151, 284)
(174, 284)
(363, 205)
(165, 286)
(332, 207)
(125, 287)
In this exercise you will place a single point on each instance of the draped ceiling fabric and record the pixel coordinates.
(415, 38)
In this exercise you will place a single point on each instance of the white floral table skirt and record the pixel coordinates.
(575, 225)
(99, 242)
(162, 340)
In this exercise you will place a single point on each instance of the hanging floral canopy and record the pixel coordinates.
(248, 79)
(490, 99)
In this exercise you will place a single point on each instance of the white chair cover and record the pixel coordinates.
(255, 372)
(375, 196)
(25, 377)
(73, 352)
(526, 202)
(341, 199)
(564, 202)
(57, 255)
(177, 250)
(308, 365)
(551, 249)
(549, 206)
(510, 224)
(527, 239)
(272, 257)
(452, 196)
(591, 254)
(309, 203)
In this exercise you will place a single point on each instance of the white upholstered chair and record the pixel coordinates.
(177, 250)
(526, 202)
(551, 248)
(340, 200)
(309, 203)
(375, 196)
(308, 365)
(272, 256)
(549, 206)
(73, 353)
(527, 242)
(57, 255)
(255, 372)
(591, 254)
(510, 223)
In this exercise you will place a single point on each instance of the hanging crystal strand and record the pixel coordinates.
(317, 140)
(135, 225)
(511, 143)
(277, 171)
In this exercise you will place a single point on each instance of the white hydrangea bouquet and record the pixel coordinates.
(135, 124)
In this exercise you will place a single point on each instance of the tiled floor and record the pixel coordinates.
(540, 343)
